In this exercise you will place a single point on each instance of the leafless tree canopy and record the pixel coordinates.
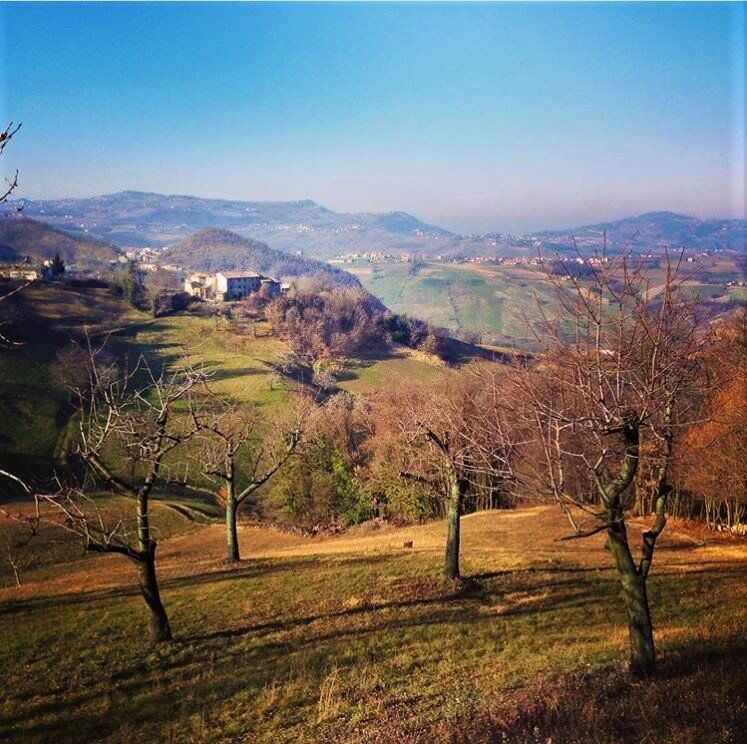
(127, 428)
(455, 438)
(615, 374)
(239, 449)
(10, 183)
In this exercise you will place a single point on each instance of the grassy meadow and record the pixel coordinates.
(497, 302)
(355, 638)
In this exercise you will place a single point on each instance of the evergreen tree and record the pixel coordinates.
(134, 289)
(58, 265)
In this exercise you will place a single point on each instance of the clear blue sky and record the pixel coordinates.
(473, 116)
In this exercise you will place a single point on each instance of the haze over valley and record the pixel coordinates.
(480, 287)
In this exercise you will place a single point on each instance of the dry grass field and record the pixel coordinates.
(355, 638)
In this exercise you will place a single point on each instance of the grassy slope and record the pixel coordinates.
(33, 414)
(494, 300)
(33, 398)
(355, 639)
(488, 300)
(243, 363)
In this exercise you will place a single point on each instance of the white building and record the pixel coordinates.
(200, 285)
(230, 285)
(233, 285)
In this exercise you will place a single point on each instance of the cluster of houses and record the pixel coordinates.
(232, 285)
(25, 271)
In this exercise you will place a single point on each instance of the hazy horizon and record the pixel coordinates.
(364, 211)
(513, 118)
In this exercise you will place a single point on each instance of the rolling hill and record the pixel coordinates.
(214, 250)
(653, 231)
(133, 218)
(21, 236)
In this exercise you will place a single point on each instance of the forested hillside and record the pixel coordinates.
(214, 250)
(21, 236)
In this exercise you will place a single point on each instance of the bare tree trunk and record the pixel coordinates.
(640, 628)
(160, 630)
(453, 515)
(232, 538)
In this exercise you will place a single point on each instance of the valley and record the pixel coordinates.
(373, 373)
(500, 304)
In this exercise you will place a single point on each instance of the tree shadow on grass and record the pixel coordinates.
(213, 667)
(271, 656)
(681, 659)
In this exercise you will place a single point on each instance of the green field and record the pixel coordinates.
(499, 303)
(492, 301)
(34, 401)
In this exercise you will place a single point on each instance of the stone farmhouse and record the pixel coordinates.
(230, 285)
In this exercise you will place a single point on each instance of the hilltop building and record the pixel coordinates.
(233, 285)
(200, 285)
(230, 285)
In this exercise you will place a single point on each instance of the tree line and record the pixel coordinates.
(319, 320)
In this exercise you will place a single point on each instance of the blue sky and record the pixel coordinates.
(473, 116)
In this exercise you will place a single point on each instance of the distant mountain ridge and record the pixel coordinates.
(134, 218)
(654, 231)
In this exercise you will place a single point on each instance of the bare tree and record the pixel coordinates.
(10, 186)
(239, 451)
(10, 183)
(453, 436)
(127, 430)
(20, 548)
(615, 371)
